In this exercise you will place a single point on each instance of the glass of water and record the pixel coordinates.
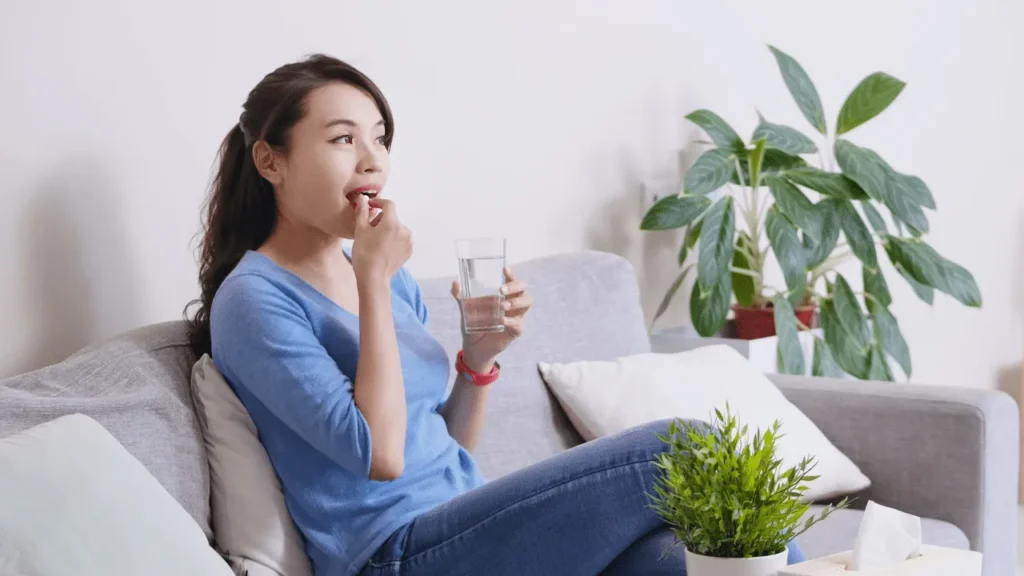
(481, 276)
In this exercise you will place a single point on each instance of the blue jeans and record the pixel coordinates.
(583, 512)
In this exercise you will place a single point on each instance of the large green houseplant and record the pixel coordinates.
(800, 220)
(728, 498)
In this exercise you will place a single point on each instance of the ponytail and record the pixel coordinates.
(239, 216)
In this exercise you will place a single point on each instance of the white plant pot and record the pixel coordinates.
(698, 565)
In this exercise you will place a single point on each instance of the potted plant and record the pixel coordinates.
(728, 499)
(797, 213)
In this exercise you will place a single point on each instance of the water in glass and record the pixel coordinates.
(481, 276)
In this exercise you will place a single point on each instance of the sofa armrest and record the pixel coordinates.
(945, 453)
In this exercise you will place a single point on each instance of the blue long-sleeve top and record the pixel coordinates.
(291, 355)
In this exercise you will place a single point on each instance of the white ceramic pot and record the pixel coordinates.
(697, 565)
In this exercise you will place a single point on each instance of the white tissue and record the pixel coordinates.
(886, 536)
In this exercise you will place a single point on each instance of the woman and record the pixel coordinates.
(375, 462)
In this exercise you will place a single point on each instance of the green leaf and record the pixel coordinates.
(718, 129)
(716, 242)
(928, 267)
(684, 251)
(789, 251)
(756, 161)
(823, 364)
(868, 99)
(742, 285)
(878, 366)
(775, 161)
(875, 285)
(667, 299)
(817, 252)
(849, 313)
(881, 182)
(888, 335)
(796, 207)
(876, 220)
(693, 234)
(857, 234)
(863, 166)
(902, 201)
(674, 212)
(789, 354)
(925, 293)
(784, 138)
(802, 89)
(827, 183)
(898, 226)
(710, 172)
(710, 306)
(850, 357)
(916, 189)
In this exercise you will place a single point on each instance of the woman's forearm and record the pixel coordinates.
(379, 387)
(464, 412)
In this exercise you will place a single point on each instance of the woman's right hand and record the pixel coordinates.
(382, 245)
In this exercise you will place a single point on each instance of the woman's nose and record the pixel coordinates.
(370, 161)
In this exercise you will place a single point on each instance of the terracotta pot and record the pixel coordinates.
(697, 565)
(754, 323)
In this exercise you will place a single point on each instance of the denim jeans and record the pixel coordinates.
(583, 512)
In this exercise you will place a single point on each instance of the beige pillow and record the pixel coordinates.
(77, 503)
(607, 397)
(251, 523)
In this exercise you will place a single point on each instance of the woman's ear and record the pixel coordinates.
(269, 162)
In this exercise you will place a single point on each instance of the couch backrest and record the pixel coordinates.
(586, 307)
(136, 386)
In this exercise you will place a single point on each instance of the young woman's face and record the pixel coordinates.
(335, 153)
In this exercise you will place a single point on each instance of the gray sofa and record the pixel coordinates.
(948, 455)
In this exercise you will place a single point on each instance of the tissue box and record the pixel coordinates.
(933, 561)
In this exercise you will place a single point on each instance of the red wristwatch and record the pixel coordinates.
(476, 377)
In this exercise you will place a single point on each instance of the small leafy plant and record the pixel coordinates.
(728, 497)
(802, 216)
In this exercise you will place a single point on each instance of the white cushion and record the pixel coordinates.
(75, 502)
(607, 397)
(251, 523)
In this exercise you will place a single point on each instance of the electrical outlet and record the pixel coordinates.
(656, 189)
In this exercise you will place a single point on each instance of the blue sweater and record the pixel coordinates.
(290, 355)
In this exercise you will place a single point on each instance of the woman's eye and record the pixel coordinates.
(380, 140)
(346, 139)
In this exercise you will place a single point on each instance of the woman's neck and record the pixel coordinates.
(306, 251)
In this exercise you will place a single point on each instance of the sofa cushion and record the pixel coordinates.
(608, 397)
(837, 532)
(251, 522)
(137, 387)
(76, 502)
(586, 308)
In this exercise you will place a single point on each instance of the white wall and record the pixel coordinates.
(551, 113)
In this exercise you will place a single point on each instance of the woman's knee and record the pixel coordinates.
(662, 429)
(654, 437)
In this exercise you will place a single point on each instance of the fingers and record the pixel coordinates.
(517, 306)
(362, 212)
(456, 290)
(388, 212)
(514, 325)
(513, 288)
(509, 277)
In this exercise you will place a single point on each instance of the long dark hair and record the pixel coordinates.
(241, 211)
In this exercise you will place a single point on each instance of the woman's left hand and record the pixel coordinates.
(479, 351)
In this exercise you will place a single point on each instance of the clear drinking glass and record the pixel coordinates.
(481, 276)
